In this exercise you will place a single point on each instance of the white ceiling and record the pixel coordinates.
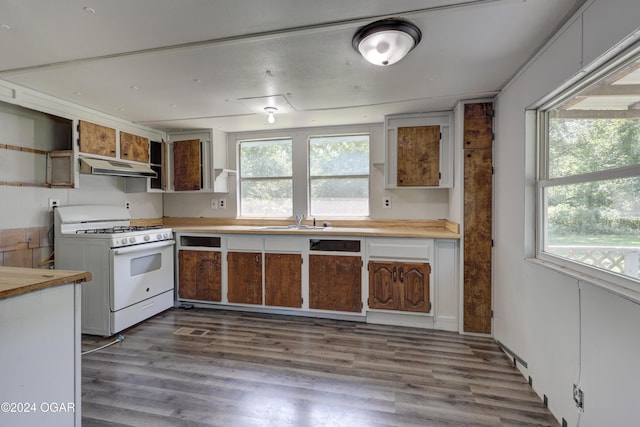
(173, 64)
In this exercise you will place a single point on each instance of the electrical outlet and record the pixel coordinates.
(386, 202)
(127, 204)
(214, 203)
(222, 203)
(578, 397)
(53, 203)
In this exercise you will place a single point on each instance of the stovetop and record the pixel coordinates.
(119, 229)
(109, 224)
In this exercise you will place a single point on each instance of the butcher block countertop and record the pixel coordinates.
(434, 229)
(16, 281)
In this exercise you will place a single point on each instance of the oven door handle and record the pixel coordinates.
(144, 247)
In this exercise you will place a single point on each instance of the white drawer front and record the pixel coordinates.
(285, 243)
(245, 243)
(421, 249)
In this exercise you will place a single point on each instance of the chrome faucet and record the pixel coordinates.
(299, 218)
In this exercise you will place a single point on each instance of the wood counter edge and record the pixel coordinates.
(436, 229)
(26, 280)
(336, 231)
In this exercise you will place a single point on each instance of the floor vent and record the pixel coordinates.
(192, 332)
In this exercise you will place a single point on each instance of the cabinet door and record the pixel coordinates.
(96, 139)
(283, 280)
(199, 275)
(187, 165)
(477, 240)
(413, 279)
(335, 282)
(478, 125)
(134, 147)
(418, 156)
(383, 290)
(245, 277)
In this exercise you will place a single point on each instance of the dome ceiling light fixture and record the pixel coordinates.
(271, 118)
(387, 41)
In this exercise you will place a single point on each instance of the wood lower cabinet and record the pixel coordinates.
(244, 275)
(335, 282)
(200, 275)
(283, 280)
(399, 286)
(384, 292)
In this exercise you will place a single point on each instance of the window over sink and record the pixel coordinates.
(315, 172)
(339, 175)
(266, 178)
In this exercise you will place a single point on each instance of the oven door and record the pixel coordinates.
(140, 272)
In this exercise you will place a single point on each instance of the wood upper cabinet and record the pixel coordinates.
(187, 165)
(134, 147)
(399, 286)
(96, 139)
(418, 156)
(244, 275)
(199, 275)
(335, 282)
(478, 125)
(283, 279)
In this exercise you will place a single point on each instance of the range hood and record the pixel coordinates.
(92, 166)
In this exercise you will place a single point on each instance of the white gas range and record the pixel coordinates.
(132, 267)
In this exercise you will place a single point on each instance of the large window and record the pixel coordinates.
(266, 178)
(589, 186)
(339, 175)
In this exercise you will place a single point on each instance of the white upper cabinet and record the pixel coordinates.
(419, 150)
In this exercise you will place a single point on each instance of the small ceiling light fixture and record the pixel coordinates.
(387, 41)
(271, 118)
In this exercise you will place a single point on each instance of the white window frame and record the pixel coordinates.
(310, 178)
(270, 178)
(617, 283)
(300, 137)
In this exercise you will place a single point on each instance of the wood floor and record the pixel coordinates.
(203, 367)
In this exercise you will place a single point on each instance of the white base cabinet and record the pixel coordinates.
(426, 273)
(40, 358)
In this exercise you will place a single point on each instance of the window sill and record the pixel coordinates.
(620, 286)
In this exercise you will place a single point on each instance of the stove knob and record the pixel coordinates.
(146, 238)
(132, 239)
(159, 236)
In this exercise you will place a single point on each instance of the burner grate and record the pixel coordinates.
(118, 229)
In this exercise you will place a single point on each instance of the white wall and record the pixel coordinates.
(406, 203)
(28, 206)
(566, 330)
